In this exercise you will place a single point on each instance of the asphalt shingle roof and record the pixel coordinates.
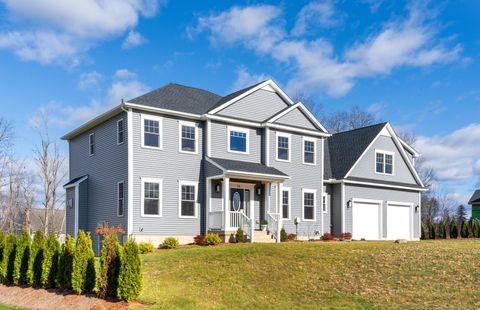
(475, 197)
(75, 180)
(233, 95)
(243, 166)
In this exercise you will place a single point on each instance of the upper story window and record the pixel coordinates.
(188, 196)
(91, 144)
(283, 147)
(151, 131)
(188, 137)
(384, 162)
(120, 198)
(308, 203)
(309, 151)
(120, 132)
(151, 197)
(286, 203)
(238, 140)
(324, 203)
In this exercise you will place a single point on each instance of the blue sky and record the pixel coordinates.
(415, 65)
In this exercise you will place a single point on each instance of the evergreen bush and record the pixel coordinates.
(240, 236)
(476, 228)
(146, 247)
(22, 258)
(453, 230)
(35, 264)
(130, 281)
(50, 262)
(8, 260)
(2, 247)
(464, 229)
(83, 274)
(431, 231)
(442, 233)
(422, 232)
(65, 264)
(110, 264)
(283, 235)
(170, 243)
(212, 239)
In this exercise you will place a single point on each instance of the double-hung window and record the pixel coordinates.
(188, 199)
(308, 203)
(188, 137)
(151, 197)
(384, 162)
(309, 151)
(151, 131)
(324, 204)
(120, 198)
(286, 203)
(120, 132)
(91, 144)
(283, 147)
(238, 140)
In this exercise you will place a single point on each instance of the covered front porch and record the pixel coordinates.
(244, 195)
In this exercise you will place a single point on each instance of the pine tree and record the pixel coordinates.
(453, 229)
(431, 231)
(442, 234)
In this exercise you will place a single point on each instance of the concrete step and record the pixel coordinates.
(263, 237)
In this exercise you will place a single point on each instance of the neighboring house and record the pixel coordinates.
(36, 218)
(475, 203)
(181, 161)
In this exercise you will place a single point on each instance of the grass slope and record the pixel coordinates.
(427, 274)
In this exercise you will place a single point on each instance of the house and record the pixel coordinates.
(181, 161)
(36, 218)
(475, 203)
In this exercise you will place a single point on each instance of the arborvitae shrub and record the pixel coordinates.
(453, 230)
(146, 247)
(22, 258)
(464, 230)
(212, 239)
(240, 236)
(130, 281)
(83, 275)
(2, 247)
(476, 228)
(422, 232)
(431, 231)
(283, 235)
(65, 264)
(442, 233)
(8, 261)
(37, 249)
(50, 261)
(110, 264)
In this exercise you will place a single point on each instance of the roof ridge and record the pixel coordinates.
(355, 129)
(192, 87)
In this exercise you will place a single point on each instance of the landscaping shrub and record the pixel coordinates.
(291, 237)
(2, 247)
(431, 231)
(240, 236)
(422, 232)
(476, 228)
(50, 261)
(22, 258)
(8, 260)
(283, 235)
(453, 230)
(130, 280)
(327, 237)
(83, 274)
(146, 247)
(65, 264)
(110, 264)
(346, 236)
(36, 259)
(212, 239)
(170, 243)
(442, 233)
(199, 239)
(464, 229)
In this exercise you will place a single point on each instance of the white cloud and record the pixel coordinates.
(125, 90)
(47, 30)
(318, 13)
(89, 80)
(245, 79)
(133, 39)
(124, 74)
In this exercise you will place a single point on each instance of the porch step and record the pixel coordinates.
(263, 237)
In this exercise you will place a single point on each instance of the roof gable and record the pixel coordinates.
(296, 118)
(475, 197)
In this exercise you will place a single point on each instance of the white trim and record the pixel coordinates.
(410, 205)
(187, 183)
(272, 176)
(314, 191)
(158, 119)
(324, 201)
(130, 172)
(76, 182)
(297, 130)
(379, 203)
(77, 200)
(342, 200)
(381, 185)
(162, 111)
(378, 151)
(209, 137)
(123, 198)
(409, 148)
(374, 201)
(314, 140)
(234, 121)
(267, 146)
(188, 124)
(123, 131)
(90, 144)
(304, 109)
(289, 137)
(247, 142)
(215, 164)
(160, 196)
(289, 190)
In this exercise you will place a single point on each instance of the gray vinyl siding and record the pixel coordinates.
(258, 106)
(70, 212)
(171, 166)
(301, 176)
(216, 199)
(296, 118)
(366, 166)
(336, 208)
(220, 138)
(364, 192)
(83, 205)
(105, 168)
(327, 216)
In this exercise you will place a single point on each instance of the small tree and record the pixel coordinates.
(22, 258)
(431, 231)
(240, 236)
(110, 264)
(453, 229)
(283, 235)
(50, 262)
(476, 228)
(36, 259)
(8, 260)
(83, 275)
(422, 232)
(65, 264)
(130, 281)
(442, 234)
(464, 229)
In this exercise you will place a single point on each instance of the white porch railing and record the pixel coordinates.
(274, 224)
(215, 220)
(238, 219)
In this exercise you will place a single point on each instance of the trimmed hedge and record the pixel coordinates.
(110, 264)
(22, 259)
(212, 239)
(50, 262)
(83, 275)
(146, 247)
(170, 243)
(65, 264)
(130, 281)
(36, 259)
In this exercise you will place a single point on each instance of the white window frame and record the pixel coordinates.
(325, 203)
(314, 150)
(123, 131)
(159, 119)
(238, 129)
(285, 135)
(90, 153)
(314, 191)
(189, 124)
(384, 161)
(160, 197)
(287, 189)
(122, 198)
(187, 183)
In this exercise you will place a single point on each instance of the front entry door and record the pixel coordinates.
(237, 199)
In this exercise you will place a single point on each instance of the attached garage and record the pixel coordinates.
(399, 220)
(366, 219)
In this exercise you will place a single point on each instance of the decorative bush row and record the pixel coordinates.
(441, 231)
(71, 266)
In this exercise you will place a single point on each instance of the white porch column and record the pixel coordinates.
(252, 218)
(226, 202)
(279, 209)
(268, 197)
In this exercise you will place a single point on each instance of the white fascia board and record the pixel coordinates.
(256, 174)
(76, 182)
(162, 111)
(382, 185)
(232, 120)
(297, 130)
(409, 148)
(304, 109)
(215, 164)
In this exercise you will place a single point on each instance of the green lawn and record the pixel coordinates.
(426, 274)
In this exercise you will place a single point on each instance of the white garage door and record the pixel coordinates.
(366, 221)
(398, 221)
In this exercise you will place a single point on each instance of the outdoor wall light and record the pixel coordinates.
(217, 187)
(259, 190)
(416, 208)
(349, 204)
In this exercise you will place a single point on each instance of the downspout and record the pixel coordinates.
(130, 169)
